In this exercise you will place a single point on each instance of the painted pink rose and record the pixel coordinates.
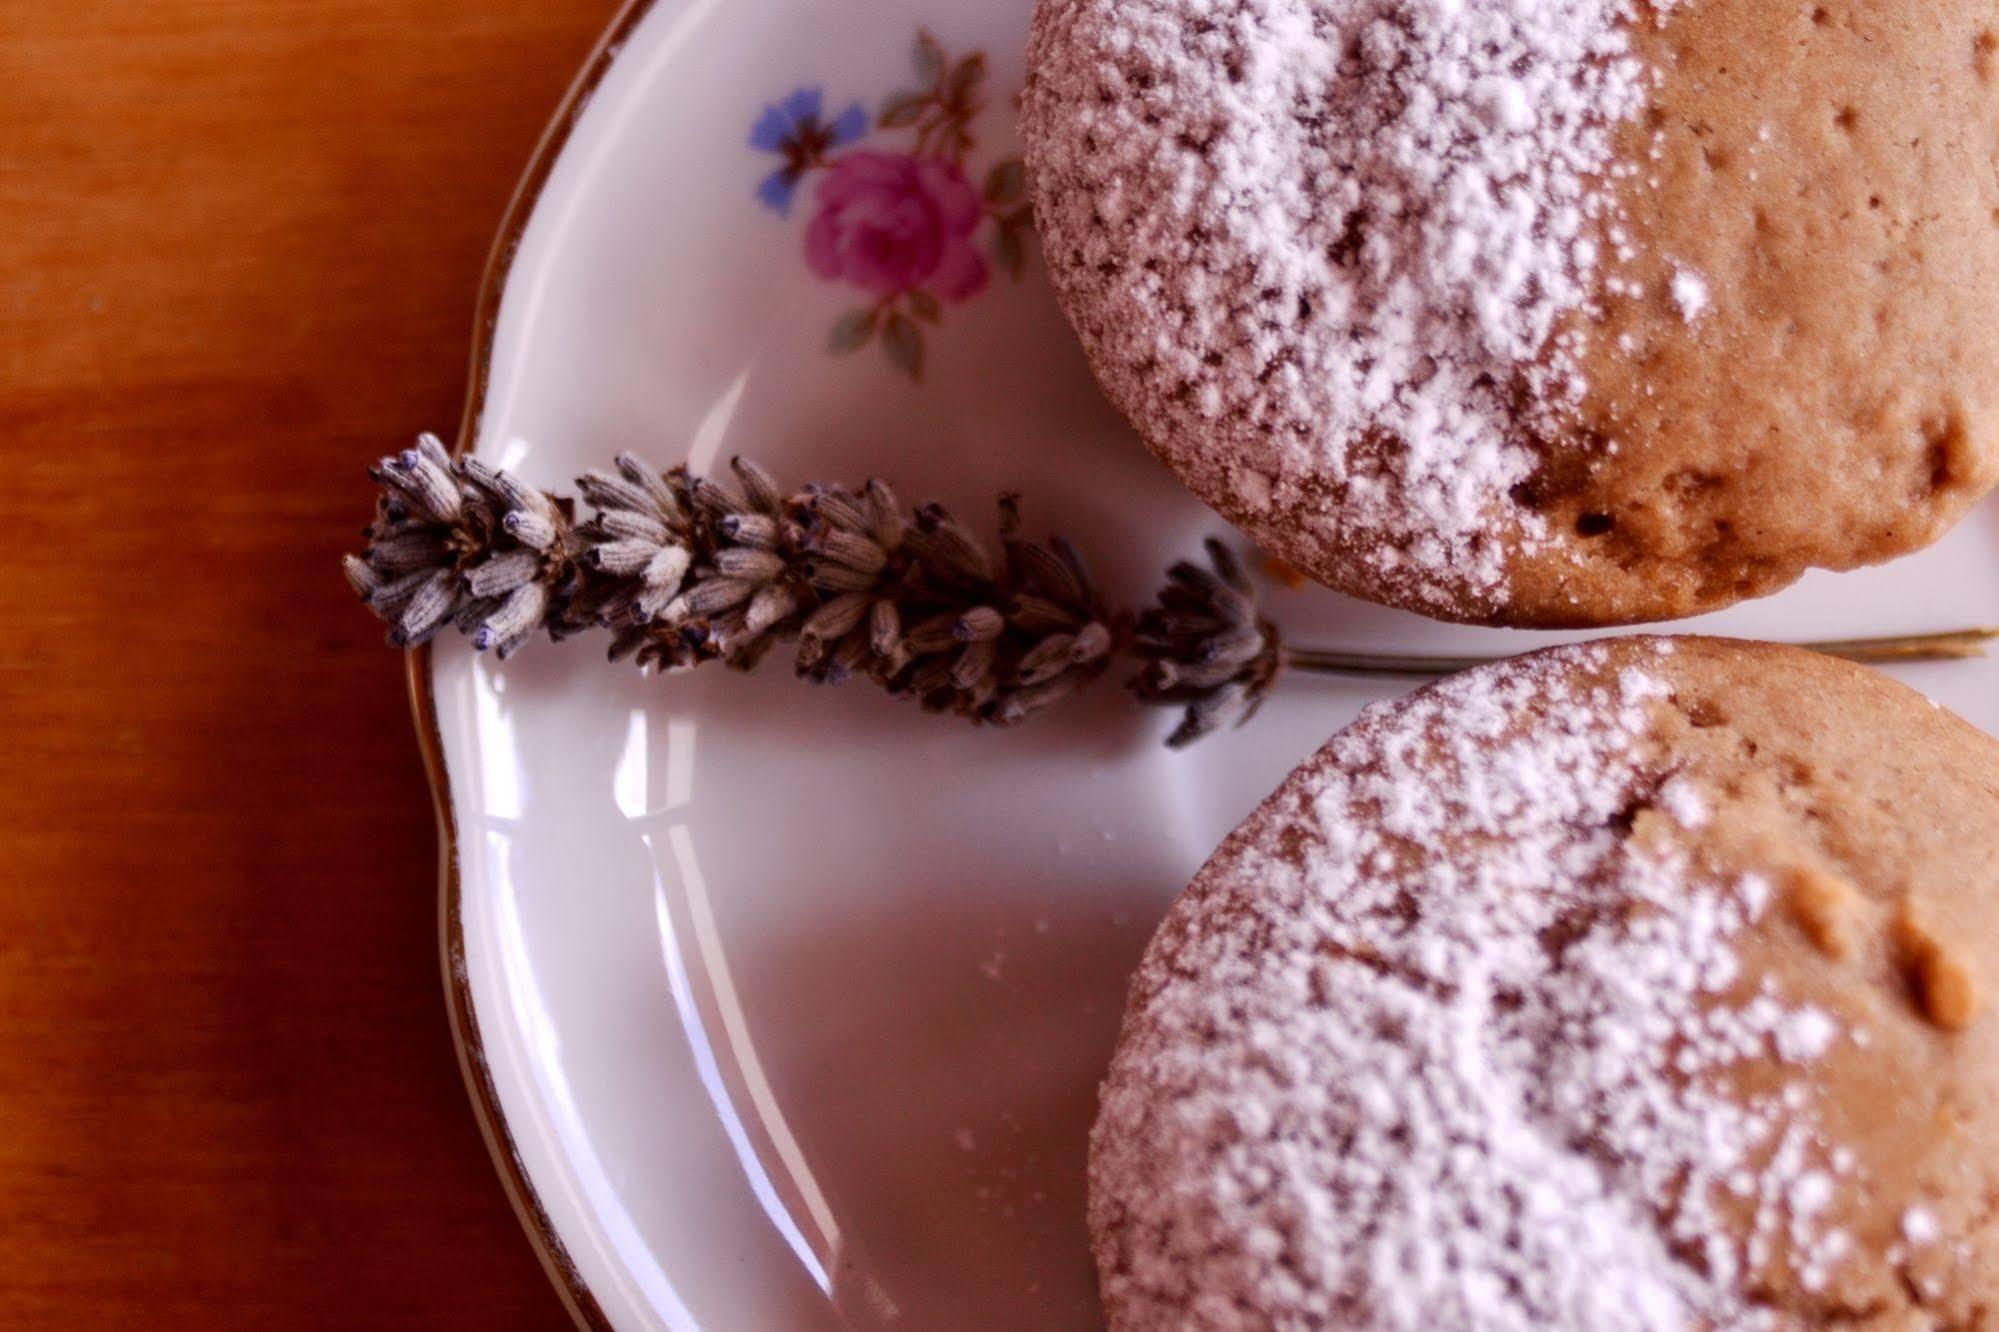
(890, 223)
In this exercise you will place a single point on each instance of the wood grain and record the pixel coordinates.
(239, 243)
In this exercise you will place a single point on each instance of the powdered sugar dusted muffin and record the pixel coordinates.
(1634, 986)
(1538, 311)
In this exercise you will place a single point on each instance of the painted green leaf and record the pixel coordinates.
(1007, 250)
(925, 306)
(929, 59)
(852, 331)
(902, 340)
(1005, 182)
(903, 110)
(964, 82)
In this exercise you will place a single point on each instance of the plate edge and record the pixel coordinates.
(575, 1293)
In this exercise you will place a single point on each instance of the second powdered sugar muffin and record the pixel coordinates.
(1538, 312)
(1636, 986)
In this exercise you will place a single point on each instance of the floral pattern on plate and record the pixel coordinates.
(902, 222)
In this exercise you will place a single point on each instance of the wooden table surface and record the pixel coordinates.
(239, 243)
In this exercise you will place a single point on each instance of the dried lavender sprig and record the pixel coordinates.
(1205, 646)
(458, 544)
(1951, 645)
(919, 605)
(683, 569)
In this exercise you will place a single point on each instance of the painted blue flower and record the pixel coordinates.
(795, 129)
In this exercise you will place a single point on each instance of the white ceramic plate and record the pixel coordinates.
(784, 1007)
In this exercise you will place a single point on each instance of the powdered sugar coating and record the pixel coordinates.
(1432, 1043)
(1690, 294)
(1320, 252)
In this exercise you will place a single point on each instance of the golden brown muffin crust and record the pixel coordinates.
(1830, 172)
(1874, 813)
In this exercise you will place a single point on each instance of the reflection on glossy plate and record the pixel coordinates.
(784, 1007)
